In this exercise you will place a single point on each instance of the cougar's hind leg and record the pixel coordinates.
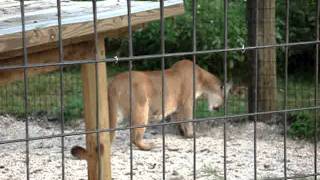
(113, 124)
(113, 108)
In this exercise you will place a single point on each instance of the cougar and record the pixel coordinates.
(147, 97)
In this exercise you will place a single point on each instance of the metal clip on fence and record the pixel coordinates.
(243, 50)
(116, 59)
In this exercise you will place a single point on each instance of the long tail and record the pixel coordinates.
(82, 153)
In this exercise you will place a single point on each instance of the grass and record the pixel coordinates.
(43, 94)
(208, 170)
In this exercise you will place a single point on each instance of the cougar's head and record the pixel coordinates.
(215, 94)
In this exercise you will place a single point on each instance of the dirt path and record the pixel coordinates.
(45, 155)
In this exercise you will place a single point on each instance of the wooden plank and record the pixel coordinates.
(43, 13)
(90, 109)
(45, 33)
(11, 3)
(122, 32)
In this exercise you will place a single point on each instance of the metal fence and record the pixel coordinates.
(163, 55)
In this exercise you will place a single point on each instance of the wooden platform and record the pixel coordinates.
(42, 20)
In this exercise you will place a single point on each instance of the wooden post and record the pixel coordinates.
(90, 110)
(267, 78)
(266, 59)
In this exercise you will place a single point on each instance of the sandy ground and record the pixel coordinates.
(45, 155)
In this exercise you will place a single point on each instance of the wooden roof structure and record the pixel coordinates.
(41, 19)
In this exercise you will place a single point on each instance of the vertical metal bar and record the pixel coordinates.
(6, 97)
(255, 89)
(286, 89)
(61, 59)
(25, 81)
(130, 84)
(194, 49)
(225, 17)
(316, 92)
(163, 88)
(95, 30)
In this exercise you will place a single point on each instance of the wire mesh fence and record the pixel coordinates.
(59, 94)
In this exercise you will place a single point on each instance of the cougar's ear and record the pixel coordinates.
(228, 88)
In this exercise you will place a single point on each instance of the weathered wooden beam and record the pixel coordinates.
(91, 97)
(122, 32)
(72, 52)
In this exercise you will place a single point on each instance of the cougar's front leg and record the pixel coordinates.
(140, 117)
(184, 114)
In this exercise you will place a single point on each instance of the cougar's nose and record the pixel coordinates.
(216, 108)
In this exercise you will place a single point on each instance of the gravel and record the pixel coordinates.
(45, 155)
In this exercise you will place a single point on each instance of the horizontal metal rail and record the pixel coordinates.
(197, 120)
(154, 56)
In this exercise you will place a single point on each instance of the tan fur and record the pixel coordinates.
(147, 97)
(83, 154)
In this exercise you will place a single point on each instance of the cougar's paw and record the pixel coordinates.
(145, 146)
(188, 135)
(187, 130)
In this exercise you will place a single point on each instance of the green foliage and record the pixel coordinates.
(302, 27)
(302, 20)
(179, 30)
(210, 35)
(302, 125)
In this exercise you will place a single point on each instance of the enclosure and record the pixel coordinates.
(57, 58)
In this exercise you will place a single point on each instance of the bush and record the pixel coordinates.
(210, 35)
(302, 27)
(302, 125)
(178, 35)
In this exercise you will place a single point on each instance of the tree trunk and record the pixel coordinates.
(263, 33)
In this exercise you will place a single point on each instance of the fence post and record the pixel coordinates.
(90, 110)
